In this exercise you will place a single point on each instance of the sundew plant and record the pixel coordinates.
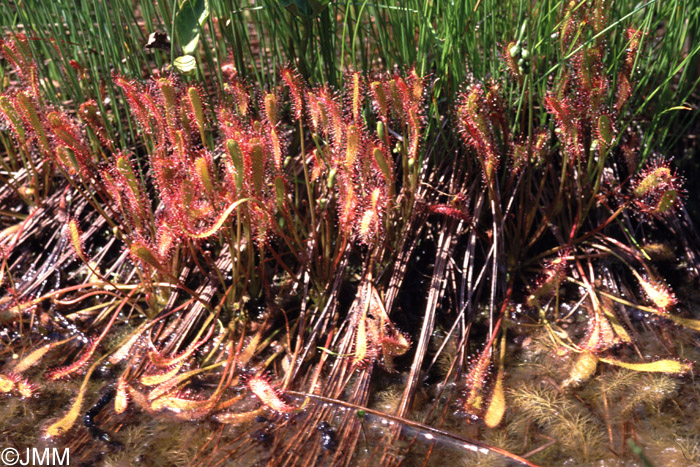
(303, 271)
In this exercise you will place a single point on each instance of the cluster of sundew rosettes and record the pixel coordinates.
(197, 184)
(579, 103)
(15, 384)
(579, 100)
(481, 123)
(197, 180)
(33, 122)
(357, 162)
(164, 385)
(14, 381)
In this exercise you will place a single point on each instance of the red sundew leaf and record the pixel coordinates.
(335, 125)
(658, 293)
(280, 192)
(134, 96)
(380, 99)
(201, 166)
(269, 396)
(601, 11)
(385, 164)
(67, 370)
(31, 113)
(370, 227)
(417, 84)
(256, 167)
(273, 141)
(356, 96)
(450, 211)
(567, 123)
(605, 131)
(75, 239)
(624, 90)
(7, 107)
(208, 232)
(347, 204)
(121, 398)
(570, 26)
(130, 186)
(63, 129)
(353, 142)
(600, 335)
(166, 239)
(549, 281)
(592, 84)
(242, 96)
(141, 105)
(415, 123)
(89, 113)
(477, 130)
(363, 351)
(19, 55)
(296, 89)
(656, 178)
(145, 254)
(475, 382)
(319, 121)
(634, 36)
(169, 98)
(269, 104)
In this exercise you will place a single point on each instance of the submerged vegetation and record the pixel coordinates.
(341, 263)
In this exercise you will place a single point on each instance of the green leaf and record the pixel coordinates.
(189, 19)
(659, 366)
(185, 64)
(605, 130)
(304, 7)
(678, 107)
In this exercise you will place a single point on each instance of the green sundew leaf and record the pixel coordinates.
(144, 253)
(257, 163)
(8, 109)
(667, 201)
(185, 64)
(189, 19)
(67, 157)
(659, 366)
(605, 130)
(304, 7)
(124, 167)
(234, 151)
(203, 172)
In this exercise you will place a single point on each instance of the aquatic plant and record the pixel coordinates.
(255, 253)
